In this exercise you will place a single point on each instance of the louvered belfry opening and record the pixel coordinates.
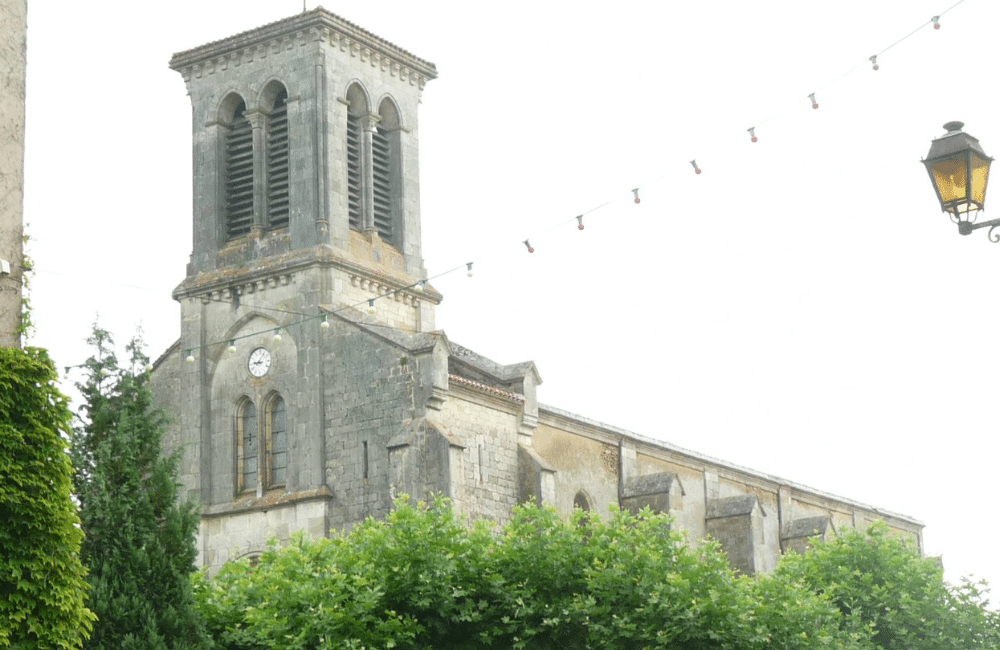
(382, 182)
(354, 211)
(239, 175)
(277, 163)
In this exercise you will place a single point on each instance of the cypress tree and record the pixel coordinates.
(140, 541)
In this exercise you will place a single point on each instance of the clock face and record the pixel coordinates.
(259, 362)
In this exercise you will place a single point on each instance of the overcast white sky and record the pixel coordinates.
(802, 307)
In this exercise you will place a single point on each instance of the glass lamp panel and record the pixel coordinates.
(950, 179)
(980, 176)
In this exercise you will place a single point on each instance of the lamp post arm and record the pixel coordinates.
(966, 228)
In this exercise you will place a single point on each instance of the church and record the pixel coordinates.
(310, 385)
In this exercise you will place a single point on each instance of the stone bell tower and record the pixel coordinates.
(305, 157)
(306, 207)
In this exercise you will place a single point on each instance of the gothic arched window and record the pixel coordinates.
(247, 436)
(581, 501)
(277, 441)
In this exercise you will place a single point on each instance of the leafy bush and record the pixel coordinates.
(42, 584)
(423, 578)
(891, 596)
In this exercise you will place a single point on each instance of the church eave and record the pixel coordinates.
(557, 418)
(485, 367)
(501, 396)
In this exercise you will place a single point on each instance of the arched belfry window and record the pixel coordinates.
(357, 108)
(277, 441)
(385, 170)
(277, 160)
(247, 445)
(239, 174)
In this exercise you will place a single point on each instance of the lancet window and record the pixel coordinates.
(262, 445)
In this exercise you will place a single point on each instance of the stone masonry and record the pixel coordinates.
(309, 386)
(13, 44)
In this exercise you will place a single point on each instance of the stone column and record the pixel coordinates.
(256, 120)
(368, 123)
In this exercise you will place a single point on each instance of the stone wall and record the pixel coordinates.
(226, 535)
(486, 425)
(13, 45)
(754, 516)
(367, 395)
(581, 463)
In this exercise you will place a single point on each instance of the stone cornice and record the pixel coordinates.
(379, 288)
(278, 270)
(317, 25)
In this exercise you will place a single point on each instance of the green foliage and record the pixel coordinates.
(26, 327)
(42, 585)
(892, 596)
(424, 579)
(140, 543)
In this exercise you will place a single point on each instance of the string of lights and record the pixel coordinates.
(634, 193)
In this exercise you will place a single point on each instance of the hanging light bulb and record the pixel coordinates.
(232, 346)
(468, 266)
(579, 222)
(753, 136)
(371, 306)
(697, 170)
(635, 193)
(325, 323)
(190, 356)
(419, 286)
(277, 335)
(527, 245)
(935, 20)
(874, 59)
(812, 98)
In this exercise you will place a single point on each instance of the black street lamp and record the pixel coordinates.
(959, 170)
